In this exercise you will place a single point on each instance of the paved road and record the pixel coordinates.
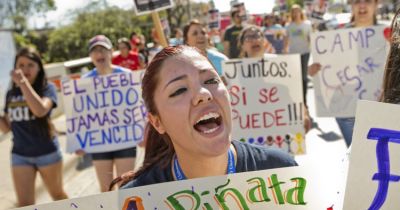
(320, 153)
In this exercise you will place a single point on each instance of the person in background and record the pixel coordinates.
(297, 41)
(252, 44)
(231, 34)
(134, 40)
(156, 47)
(274, 33)
(127, 58)
(215, 39)
(363, 15)
(195, 35)
(190, 124)
(35, 145)
(178, 39)
(100, 52)
(143, 52)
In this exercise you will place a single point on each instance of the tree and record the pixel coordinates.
(178, 14)
(70, 42)
(14, 13)
(183, 10)
(291, 2)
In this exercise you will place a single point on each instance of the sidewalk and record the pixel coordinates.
(76, 183)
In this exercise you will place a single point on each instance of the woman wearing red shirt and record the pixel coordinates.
(127, 58)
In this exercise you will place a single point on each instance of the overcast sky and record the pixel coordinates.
(63, 6)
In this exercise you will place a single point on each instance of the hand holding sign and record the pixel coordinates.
(340, 84)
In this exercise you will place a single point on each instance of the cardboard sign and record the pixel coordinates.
(242, 10)
(374, 169)
(213, 19)
(104, 113)
(284, 189)
(142, 7)
(353, 62)
(7, 56)
(267, 101)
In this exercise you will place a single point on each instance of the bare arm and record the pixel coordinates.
(307, 120)
(286, 44)
(226, 48)
(5, 124)
(38, 106)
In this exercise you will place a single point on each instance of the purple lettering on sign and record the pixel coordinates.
(316, 44)
(383, 176)
(76, 88)
(65, 87)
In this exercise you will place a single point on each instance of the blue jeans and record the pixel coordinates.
(346, 126)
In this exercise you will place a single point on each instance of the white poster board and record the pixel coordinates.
(214, 18)
(353, 62)
(376, 141)
(104, 113)
(142, 7)
(267, 101)
(7, 56)
(299, 188)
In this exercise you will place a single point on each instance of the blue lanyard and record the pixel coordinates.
(231, 169)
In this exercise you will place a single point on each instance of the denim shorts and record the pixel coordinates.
(36, 162)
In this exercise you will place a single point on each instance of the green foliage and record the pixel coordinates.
(291, 2)
(70, 42)
(20, 40)
(14, 13)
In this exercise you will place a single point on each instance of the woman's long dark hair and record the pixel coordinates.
(159, 148)
(38, 85)
(391, 81)
(41, 80)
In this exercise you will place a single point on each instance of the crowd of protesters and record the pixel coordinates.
(169, 154)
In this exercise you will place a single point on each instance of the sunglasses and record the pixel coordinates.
(250, 37)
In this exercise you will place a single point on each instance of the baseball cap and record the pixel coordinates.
(100, 40)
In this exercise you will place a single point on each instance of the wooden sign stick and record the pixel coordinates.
(159, 29)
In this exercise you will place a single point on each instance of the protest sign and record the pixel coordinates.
(142, 7)
(374, 169)
(267, 101)
(104, 113)
(353, 62)
(213, 19)
(7, 56)
(284, 189)
(241, 8)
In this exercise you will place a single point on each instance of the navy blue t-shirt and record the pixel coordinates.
(28, 136)
(249, 158)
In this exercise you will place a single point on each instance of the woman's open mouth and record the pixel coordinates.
(208, 123)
